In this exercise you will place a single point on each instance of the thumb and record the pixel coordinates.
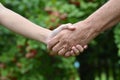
(67, 26)
(62, 27)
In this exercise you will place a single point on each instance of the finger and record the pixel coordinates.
(62, 27)
(85, 47)
(51, 43)
(75, 50)
(55, 32)
(58, 47)
(65, 26)
(68, 26)
(80, 48)
(59, 29)
(61, 52)
(67, 54)
(72, 53)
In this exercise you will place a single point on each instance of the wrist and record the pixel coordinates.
(94, 25)
(45, 36)
(88, 27)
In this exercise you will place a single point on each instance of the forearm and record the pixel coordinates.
(105, 17)
(21, 25)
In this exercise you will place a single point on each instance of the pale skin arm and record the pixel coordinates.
(21, 25)
(102, 19)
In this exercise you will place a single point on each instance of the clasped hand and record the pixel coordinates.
(71, 42)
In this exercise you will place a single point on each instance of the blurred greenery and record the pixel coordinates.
(25, 59)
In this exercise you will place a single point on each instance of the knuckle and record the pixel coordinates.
(66, 42)
(66, 48)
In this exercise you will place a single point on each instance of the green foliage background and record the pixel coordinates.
(25, 59)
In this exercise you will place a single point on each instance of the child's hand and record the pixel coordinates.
(62, 27)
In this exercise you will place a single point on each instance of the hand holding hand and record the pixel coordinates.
(75, 49)
(63, 43)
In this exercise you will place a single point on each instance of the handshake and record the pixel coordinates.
(61, 41)
(73, 51)
(68, 39)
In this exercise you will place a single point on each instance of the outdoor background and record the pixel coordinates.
(25, 59)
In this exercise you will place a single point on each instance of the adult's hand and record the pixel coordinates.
(102, 19)
(64, 41)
